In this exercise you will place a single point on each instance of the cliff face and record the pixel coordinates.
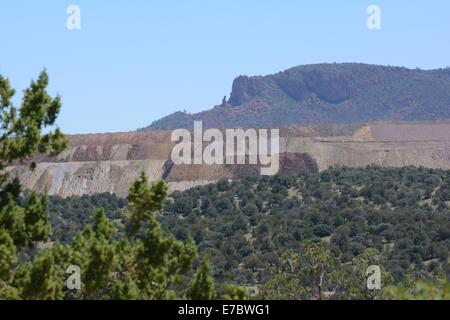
(325, 94)
(110, 162)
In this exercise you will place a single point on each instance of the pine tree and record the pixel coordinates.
(22, 223)
(141, 264)
(233, 292)
(202, 286)
(136, 261)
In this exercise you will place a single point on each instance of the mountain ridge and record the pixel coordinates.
(326, 94)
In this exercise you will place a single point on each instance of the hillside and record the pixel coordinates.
(400, 216)
(326, 94)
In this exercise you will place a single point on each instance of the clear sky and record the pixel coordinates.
(135, 61)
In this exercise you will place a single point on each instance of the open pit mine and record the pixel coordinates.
(97, 163)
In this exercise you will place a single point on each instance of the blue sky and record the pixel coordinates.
(135, 61)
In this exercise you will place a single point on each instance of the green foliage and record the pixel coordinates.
(335, 225)
(20, 129)
(113, 264)
(318, 264)
(397, 212)
(358, 268)
(285, 281)
(394, 218)
(423, 290)
(302, 275)
(23, 222)
(145, 265)
(233, 292)
(315, 274)
(131, 260)
(143, 202)
(41, 280)
(202, 286)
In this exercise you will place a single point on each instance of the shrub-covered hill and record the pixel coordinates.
(245, 226)
(324, 94)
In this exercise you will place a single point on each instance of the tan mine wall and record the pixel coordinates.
(97, 163)
(78, 178)
(407, 132)
(110, 162)
(359, 154)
